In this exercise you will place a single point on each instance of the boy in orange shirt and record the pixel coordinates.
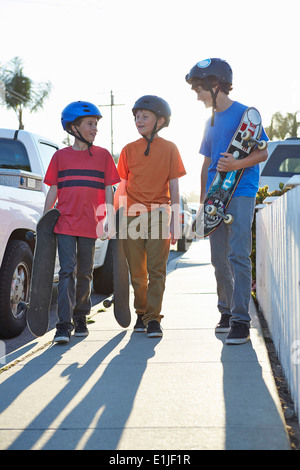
(149, 190)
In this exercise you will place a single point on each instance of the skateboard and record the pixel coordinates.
(221, 190)
(120, 298)
(41, 285)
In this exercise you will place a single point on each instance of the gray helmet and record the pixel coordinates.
(155, 104)
(159, 107)
(211, 67)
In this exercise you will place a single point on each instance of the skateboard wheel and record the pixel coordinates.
(262, 145)
(246, 135)
(210, 210)
(107, 303)
(228, 219)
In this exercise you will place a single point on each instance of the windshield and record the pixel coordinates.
(284, 161)
(13, 155)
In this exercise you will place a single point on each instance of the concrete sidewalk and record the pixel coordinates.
(120, 390)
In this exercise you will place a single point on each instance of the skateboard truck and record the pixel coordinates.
(212, 210)
(247, 137)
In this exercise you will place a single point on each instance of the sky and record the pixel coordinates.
(86, 48)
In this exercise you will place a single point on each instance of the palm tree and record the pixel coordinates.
(20, 91)
(283, 126)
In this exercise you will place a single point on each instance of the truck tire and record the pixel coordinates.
(15, 274)
(103, 278)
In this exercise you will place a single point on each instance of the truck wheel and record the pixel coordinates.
(15, 274)
(103, 278)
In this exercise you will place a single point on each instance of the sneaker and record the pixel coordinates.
(139, 327)
(223, 326)
(154, 330)
(80, 327)
(62, 335)
(239, 333)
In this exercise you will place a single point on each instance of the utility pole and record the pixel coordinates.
(112, 104)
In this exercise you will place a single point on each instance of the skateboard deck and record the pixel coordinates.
(120, 299)
(213, 211)
(41, 285)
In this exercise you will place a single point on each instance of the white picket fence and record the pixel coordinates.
(278, 281)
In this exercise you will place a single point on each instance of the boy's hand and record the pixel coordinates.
(109, 231)
(227, 163)
(174, 232)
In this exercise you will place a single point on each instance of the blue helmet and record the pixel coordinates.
(78, 109)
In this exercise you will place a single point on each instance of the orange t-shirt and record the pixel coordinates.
(148, 176)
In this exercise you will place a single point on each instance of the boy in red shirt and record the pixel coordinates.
(149, 184)
(80, 179)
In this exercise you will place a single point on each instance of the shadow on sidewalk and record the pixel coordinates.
(99, 417)
(252, 418)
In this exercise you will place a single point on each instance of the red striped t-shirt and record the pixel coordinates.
(81, 180)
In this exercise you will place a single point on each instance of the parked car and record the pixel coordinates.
(193, 207)
(186, 221)
(283, 163)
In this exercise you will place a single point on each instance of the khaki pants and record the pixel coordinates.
(147, 246)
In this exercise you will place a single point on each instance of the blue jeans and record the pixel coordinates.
(76, 257)
(230, 255)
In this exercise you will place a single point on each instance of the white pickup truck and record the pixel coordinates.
(24, 159)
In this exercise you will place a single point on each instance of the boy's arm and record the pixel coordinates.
(110, 228)
(229, 163)
(203, 178)
(174, 196)
(50, 198)
(120, 194)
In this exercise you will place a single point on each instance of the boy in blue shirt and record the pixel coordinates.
(231, 244)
